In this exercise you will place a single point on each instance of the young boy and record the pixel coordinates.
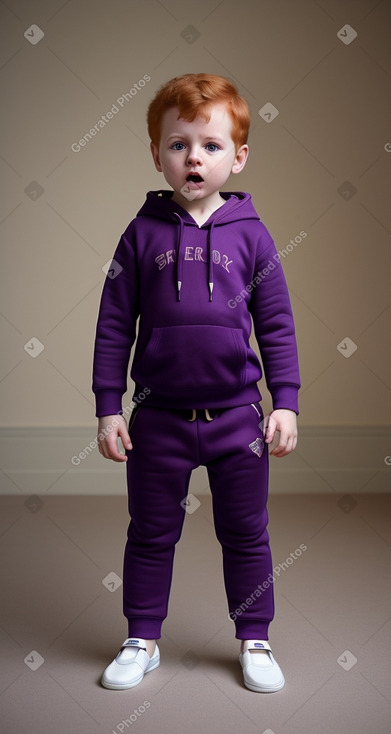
(197, 267)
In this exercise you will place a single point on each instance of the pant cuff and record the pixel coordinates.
(149, 629)
(251, 630)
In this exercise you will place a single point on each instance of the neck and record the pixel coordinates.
(199, 210)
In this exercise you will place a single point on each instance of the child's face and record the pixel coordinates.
(199, 146)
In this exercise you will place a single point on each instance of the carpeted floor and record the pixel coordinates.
(61, 622)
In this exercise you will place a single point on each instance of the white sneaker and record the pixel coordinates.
(130, 665)
(261, 671)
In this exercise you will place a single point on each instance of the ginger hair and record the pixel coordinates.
(194, 94)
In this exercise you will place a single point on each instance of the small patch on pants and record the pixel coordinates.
(257, 446)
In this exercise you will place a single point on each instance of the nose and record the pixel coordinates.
(194, 157)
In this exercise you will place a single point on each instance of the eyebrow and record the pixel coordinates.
(206, 137)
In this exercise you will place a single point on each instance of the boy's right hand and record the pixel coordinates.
(110, 428)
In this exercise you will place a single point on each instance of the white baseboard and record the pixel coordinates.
(328, 459)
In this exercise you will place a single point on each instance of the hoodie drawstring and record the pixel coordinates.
(179, 259)
(210, 262)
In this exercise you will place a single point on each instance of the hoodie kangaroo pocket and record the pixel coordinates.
(181, 359)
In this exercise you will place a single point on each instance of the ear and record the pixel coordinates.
(240, 159)
(155, 156)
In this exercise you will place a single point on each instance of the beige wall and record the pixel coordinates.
(333, 126)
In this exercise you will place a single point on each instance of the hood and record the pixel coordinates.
(159, 205)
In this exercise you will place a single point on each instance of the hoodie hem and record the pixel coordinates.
(247, 395)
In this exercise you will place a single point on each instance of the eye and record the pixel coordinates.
(174, 147)
(214, 147)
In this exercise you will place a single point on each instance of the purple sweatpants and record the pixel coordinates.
(166, 448)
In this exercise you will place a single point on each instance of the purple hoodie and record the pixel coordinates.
(197, 290)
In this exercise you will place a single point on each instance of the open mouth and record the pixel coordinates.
(194, 177)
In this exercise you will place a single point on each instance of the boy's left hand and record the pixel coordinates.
(284, 421)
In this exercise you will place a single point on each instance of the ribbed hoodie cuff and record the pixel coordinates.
(285, 397)
(108, 402)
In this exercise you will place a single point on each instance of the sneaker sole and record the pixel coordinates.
(125, 686)
(260, 689)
